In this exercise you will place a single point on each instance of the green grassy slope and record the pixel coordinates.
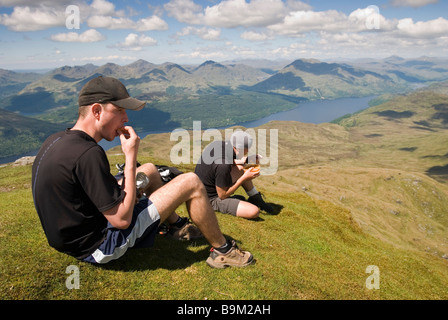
(347, 198)
(312, 250)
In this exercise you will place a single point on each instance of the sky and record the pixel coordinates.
(54, 33)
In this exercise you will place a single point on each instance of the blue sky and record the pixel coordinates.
(45, 34)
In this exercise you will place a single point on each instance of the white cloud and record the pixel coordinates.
(370, 18)
(90, 35)
(233, 13)
(236, 13)
(212, 52)
(109, 22)
(103, 8)
(34, 3)
(31, 19)
(115, 23)
(412, 3)
(423, 29)
(203, 33)
(103, 58)
(202, 55)
(294, 5)
(41, 15)
(151, 23)
(299, 22)
(134, 42)
(255, 36)
(185, 11)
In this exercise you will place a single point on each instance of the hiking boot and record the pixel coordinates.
(187, 232)
(259, 202)
(232, 258)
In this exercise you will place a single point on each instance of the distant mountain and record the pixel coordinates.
(177, 94)
(314, 79)
(269, 66)
(12, 82)
(418, 70)
(60, 87)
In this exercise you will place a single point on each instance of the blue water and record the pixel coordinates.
(309, 112)
(316, 111)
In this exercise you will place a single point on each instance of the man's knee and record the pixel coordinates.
(247, 210)
(148, 169)
(254, 213)
(191, 181)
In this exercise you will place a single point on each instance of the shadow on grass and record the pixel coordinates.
(277, 208)
(166, 254)
(170, 254)
(440, 173)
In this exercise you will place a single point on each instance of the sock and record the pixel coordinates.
(180, 222)
(252, 192)
(225, 247)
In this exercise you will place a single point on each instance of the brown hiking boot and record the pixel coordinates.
(233, 258)
(187, 232)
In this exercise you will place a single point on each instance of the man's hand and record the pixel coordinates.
(129, 141)
(250, 174)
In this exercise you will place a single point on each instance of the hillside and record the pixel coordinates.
(19, 134)
(412, 127)
(342, 203)
(314, 79)
(416, 70)
(389, 171)
(12, 82)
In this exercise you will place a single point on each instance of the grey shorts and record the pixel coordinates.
(228, 205)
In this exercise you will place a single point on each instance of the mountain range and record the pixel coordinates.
(237, 87)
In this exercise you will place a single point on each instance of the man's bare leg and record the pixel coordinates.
(188, 188)
(155, 182)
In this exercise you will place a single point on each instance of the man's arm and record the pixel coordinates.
(120, 216)
(224, 193)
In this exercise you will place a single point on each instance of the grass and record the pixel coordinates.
(313, 249)
(348, 197)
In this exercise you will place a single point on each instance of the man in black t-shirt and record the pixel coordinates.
(220, 168)
(85, 212)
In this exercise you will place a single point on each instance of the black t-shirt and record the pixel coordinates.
(215, 165)
(72, 186)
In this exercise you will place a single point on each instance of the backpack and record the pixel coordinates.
(168, 173)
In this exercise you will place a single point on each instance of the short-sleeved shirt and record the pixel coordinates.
(215, 165)
(72, 186)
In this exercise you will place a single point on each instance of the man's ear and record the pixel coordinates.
(96, 110)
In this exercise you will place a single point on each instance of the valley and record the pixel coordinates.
(176, 94)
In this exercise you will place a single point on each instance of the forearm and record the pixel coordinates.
(121, 215)
(225, 193)
(129, 189)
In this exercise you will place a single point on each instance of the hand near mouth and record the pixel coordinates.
(124, 131)
(129, 141)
